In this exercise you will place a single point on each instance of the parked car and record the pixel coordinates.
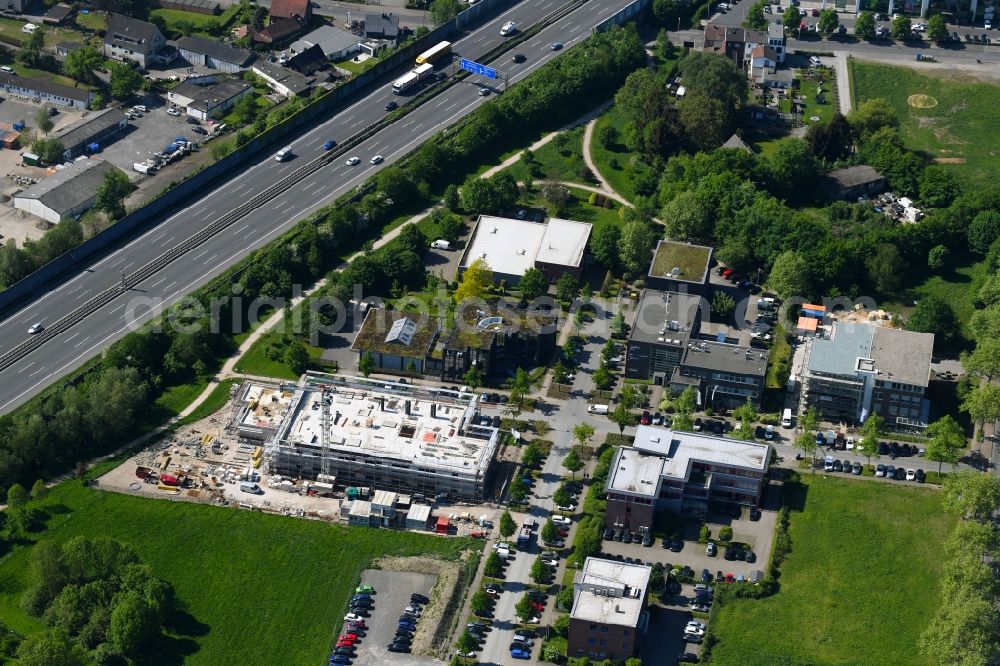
(827, 462)
(419, 598)
(706, 576)
(676, 545)
(645, 418)
(710, 549)
(838, 466)
(890, 472)
(880, 470)
(900, 474)
(856, 469)
(921, 476)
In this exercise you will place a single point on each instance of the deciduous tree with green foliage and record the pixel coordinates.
(828, 21)
(983, 231)
(443, 11)
(466, 643)
(935, 315)
(972, 495)
(476, 279)
(125, 80)
(872, 115)
(604, 244)
(902, 28)
(789, 275)
(572, 460)
(49, 150)
(533, 284)
(791, 19)
(946, 442)
(111, 193)
(297, 357)
(493, 566)
(755, 18)
(622, 417)
(886, 268)
(747, 416)
(684, 406)
(480, 601)
(473, 377)
(81, 64)
(937, 29)
(366, 364)
(806, 442)
(549, 531)
(984, 359)
(864, 25)
(982, 404)
(507, 525)
(43, 120)
(540, 571)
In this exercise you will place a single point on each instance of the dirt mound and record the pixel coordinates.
(921, 101)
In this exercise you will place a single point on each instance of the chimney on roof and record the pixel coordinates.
(433, 410)
(407, 407)
(381, 404)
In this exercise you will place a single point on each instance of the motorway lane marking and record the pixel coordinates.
(200, 254)
(81, 342)
(210, 259)
(167, 242)
(75, 335)
(26, 367)
(157, 282)
(576, 28)
(239, 229)
(83, 294)
(156, 238)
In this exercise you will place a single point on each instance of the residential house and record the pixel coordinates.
(282, 80)
(214, 54)
(336, 43)
(609, 617)
(300, 10)
(131, 40)
(382, 26)
(684, 472)
(278, 30)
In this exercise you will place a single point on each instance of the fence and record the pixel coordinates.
(235, 161)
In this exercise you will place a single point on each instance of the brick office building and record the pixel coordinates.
(609, 618)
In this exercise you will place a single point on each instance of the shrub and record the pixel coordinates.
(726, 533)
(704, 534)
(609, 204)
(592, 199)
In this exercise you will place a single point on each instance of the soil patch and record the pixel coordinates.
(921, 101)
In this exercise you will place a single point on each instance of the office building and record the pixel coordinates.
(609, 616)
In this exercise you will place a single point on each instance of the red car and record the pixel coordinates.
(343, 642)
(479, 535)
(726, 273)
(351, 636)
(646, 418)
(538, 606)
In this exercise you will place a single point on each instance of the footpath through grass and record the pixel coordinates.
(858, 586)
(955, 122)
(256, 588)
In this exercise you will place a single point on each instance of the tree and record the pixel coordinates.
(938, 257)
(828, 21)
(934, 315)
(572, 460)
(937, 29)
(245, 109)
(791, 19)
(886, 268)
(558, 195)
(807, 442)
(125, 80)
(603, 379)
(549, 531)
(623, 417)
(133, 623)
(111, 193)
(982, 404)
(567, 288)
(540, 571)
(480, 601)
(868, 446)
(946, 441)
(588, 544)
(902, 28)
(43, 120)
(723, 306)
(604, 244)
(297, 357)
(791, 168)
(49, 150)
(984, 230)
(984, 359)
(684, 407)
(50, 647)
(532, 455)
(831, 141)
(972, 494)
(687, 219)
(635, 249)
(17, 496)
(582, 432)
(789, 275)
(809, 420)
(747, 417)
(39, 490)
(473, 378)
(476, 279)
(667, 12)
(366, 364)
(706, 119)
(938, 187)
(81, 64)
(864, 26)
(755, 18)
(466, 643)
(507, 525)
(443, 11)
(493, 566)
(533, 284)
(31, 50)
(725, 533)
(872, 115)
(523, 608)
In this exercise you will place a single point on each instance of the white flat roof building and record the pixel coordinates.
(610, 592)
(396, 437)
(511, 246)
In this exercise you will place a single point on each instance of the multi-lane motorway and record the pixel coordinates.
(70, 349)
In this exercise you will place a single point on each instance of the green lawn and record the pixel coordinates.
(173, 17)
(557, 160)
(809, 82)
(960, 125)
(358, 67)
(858, 586)
(612, 162)
(255, 588)
(578, 209)
(92, 20)
(175, 398)
(256, 362)
(215, 401)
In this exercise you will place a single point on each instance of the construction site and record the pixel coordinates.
(346, 449)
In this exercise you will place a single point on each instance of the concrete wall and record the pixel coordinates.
(238, 160)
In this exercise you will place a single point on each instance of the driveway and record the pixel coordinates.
(392, 595)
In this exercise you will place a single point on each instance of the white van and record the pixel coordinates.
(250, 487)
(786, 418)
(7, 69)
(598, 409)
(441, 244)
(283, 154)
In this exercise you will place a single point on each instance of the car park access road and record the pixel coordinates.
(72, 348)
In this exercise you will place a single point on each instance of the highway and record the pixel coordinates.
(72, 348)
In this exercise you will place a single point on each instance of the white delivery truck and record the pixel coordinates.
(423, 71)
(598, 409)
(401, 84)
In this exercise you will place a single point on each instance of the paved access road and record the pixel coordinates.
(72, 348)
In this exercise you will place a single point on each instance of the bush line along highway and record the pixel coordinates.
(67, 350)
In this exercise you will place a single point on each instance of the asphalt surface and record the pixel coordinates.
(72, 348)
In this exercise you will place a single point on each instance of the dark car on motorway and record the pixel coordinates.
(518, 58)
(391, 106)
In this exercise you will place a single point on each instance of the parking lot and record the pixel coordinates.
(147, 135)
(664, 638)
(392, 595)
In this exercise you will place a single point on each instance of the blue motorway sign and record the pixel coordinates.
(476, 68)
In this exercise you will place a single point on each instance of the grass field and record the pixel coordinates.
(256, 362)
(578, 209)
(213, 403)
(857, 587)
(958, 128)
(256, 588)
(612, 162)
(555, 162)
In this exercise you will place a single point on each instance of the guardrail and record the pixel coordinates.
(79, 313)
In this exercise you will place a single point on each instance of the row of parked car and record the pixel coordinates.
(900, 474)
(408, 624)
(354, 625)
(624, 536)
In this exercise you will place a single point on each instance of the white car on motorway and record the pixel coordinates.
(377, 159)
(508, 28)
(351, 161)
(35, 328)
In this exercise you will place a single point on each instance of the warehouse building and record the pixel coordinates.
(396, 437)
(97, 128)
(213, 101)
(46, 92)
(67, 193)
(214, 54)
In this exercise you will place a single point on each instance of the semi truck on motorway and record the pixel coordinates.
(436, 52)
(407, 80)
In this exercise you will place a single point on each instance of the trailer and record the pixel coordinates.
(400, 85)
(524, 538)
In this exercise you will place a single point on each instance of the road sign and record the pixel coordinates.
(476, 68)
